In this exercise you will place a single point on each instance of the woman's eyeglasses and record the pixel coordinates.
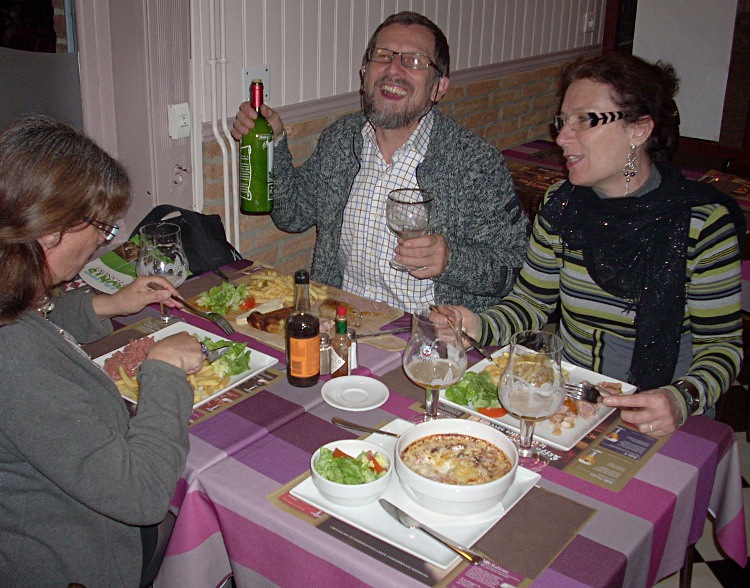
(410, 60)
(585, 120)
(109, 230)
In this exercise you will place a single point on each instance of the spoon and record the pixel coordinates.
(349, 425)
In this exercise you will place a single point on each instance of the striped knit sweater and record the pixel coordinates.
(594, 324)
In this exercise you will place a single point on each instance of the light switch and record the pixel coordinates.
(179, 120)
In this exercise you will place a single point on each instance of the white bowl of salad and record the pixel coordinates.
(351, 472)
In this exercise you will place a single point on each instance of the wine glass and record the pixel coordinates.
(160, 253)
(409, 214)
(435, 357)
(532, 388)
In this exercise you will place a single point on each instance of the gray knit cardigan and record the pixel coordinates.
(477, 211)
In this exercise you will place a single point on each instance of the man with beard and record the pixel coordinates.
(399, 141)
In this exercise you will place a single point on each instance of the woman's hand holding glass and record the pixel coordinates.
(161, 254)
(135, 297)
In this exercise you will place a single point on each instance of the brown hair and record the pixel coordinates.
(51, 177)
(442, 57)
(640, 89)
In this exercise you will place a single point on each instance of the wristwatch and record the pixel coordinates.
(689, 393)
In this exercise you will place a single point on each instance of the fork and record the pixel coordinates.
(584, 391)
(214, 317)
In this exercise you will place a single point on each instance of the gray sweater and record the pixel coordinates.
(77, 475)
(477, 211)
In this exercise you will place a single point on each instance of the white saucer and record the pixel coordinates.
(354, 393)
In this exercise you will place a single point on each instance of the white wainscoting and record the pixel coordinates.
(314, 47)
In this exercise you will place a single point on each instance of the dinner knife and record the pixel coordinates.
(411, 523)
(475, 344)
(357, 427)
(378, 333)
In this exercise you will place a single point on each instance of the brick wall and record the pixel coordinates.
(513, 109)
(61, 32)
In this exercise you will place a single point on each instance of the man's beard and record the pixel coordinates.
(384, 119)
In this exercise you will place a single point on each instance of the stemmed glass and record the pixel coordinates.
(434, 357)
(532, 388)
(409, 213)
(161, 254)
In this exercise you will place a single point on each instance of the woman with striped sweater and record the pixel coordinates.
(645, 265)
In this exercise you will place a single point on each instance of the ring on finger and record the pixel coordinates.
(651, 427)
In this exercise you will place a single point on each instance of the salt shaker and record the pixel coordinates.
(352, 333)
(325, 354)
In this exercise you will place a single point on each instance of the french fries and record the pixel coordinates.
(204, 382)
(128, 387)
(269, 285)
(532, 363)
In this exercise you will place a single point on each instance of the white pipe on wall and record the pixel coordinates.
(231, 186)
(212, 62)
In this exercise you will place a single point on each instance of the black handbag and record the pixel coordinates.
(203, 237)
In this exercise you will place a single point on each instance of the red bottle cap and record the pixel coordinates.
(341, 311)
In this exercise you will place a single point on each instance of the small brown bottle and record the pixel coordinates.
(340, 344)
(302, 337)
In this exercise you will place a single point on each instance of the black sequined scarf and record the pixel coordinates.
(636, 249)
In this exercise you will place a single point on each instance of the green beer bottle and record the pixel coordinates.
(256, 160)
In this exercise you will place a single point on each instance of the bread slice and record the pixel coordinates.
(270, 322)
(329, 306)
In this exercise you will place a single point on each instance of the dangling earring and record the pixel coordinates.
(630, 169)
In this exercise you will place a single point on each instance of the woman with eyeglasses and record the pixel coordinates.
(82, 485)
(645, 265)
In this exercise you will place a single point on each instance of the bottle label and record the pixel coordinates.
(269, 169)
(336, 362)
(245, 171)
(304, 357)
(256, 171)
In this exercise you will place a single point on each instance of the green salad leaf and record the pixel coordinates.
(474, 389)
(224, 297)
(233, 362)
(349, 470)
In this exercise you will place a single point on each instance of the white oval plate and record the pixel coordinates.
(354, 393)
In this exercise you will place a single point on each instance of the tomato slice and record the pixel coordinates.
(248, 303)
(375, 463)
(338, 453)
(494, 412)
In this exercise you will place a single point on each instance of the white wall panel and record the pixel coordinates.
(314, 47)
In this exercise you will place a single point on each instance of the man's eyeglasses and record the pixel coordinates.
(585, 120)
(410, 60)
(109, 230)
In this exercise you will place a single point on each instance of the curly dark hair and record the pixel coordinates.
(442, 58)
(52, 175)
(640, 89)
